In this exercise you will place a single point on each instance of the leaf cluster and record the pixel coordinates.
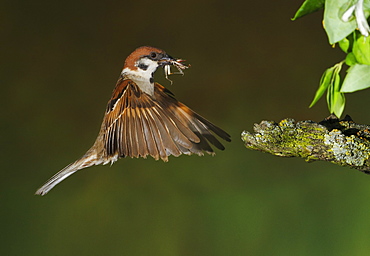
(355, 45)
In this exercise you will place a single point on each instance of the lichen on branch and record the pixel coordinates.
(341, 142)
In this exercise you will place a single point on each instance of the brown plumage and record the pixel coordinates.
(143, 118)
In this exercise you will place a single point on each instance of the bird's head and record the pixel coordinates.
(144, 61)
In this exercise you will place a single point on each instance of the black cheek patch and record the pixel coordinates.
(151, 80)
(143, 66)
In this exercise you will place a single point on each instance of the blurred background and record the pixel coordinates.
(249, 62)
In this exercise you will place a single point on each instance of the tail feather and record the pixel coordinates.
(84, 162)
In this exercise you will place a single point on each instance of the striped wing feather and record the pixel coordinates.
(137, 125)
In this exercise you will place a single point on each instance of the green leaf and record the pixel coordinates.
(361, 50)
(337, 83)
(324, 83)
(357, 78)
(338, 97)
(309, 6)
(340, 102)
(335, 27)
(350, 59)
(335, 98)
(344, 44)
(366, 6)
(329, 97)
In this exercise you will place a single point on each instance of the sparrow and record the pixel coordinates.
(143, 118)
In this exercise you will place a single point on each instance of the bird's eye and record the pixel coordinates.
(153, 55)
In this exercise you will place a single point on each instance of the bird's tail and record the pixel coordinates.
(86, 161)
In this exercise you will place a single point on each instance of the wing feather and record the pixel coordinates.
(154, 130)
(168, 135)
(199, 125)
(172, 124)
(203, 130)
(149, 136)
(137, 125)
(140, 139)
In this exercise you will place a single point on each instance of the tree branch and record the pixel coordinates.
(341, 142)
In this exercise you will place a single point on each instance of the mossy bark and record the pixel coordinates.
(341, 142)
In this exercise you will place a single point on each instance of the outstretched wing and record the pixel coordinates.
(138, 125)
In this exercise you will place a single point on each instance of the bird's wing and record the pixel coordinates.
(138, 125)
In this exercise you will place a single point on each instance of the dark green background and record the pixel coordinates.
(59, 63)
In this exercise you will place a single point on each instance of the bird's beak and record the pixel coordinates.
(167, 61)
(170, 61)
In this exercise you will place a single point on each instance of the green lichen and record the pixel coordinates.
(342, 142)
(284, 138)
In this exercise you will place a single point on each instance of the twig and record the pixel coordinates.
(341, 142)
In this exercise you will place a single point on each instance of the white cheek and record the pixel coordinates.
(152, 65)
(143, 78)
(147, 74)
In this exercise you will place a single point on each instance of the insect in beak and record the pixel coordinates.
(168, 62)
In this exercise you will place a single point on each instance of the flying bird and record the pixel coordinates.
(143, 118)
